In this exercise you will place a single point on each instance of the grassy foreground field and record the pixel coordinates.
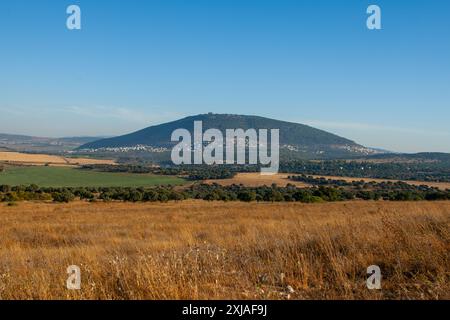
(73, 177)
(201, 250)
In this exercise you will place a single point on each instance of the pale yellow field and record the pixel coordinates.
(256, 179)
(202, 250)
(85, 161)
(41, 159)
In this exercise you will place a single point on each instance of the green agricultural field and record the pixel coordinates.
(73, 177)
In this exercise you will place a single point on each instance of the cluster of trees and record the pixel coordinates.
(33, 192)
(131, 168)
(360, 184)
(436, 171)
(372, 190)
(328, 182)
(215, 192)
(191, 172)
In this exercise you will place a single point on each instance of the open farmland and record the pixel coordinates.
(255, 179)
(201, 250)
(45, 159)
(74, 177)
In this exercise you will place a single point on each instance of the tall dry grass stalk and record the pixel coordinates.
(200, 250)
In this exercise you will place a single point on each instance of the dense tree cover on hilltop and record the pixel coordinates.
(365, 191)
(290, 133)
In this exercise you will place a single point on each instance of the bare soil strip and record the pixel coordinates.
(255, 179)
(43, 159)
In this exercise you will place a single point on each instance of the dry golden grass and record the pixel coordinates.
(41, 159)
(256, 179)
(201, 250)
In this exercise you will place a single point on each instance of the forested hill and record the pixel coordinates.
(294, 136)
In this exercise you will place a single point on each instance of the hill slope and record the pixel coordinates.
(294, 137)
(42, 144)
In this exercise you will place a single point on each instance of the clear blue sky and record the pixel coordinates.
(137, 63)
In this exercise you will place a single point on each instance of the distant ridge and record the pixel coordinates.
(294, 137)
(42, 144)
(17, 138)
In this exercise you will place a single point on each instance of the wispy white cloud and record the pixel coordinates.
(12, 111)
(148, 116)
(369, 127)
(56, 121)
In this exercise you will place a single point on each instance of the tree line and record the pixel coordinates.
(215, 192)
(190, 172)
(432, 171)
(372, 190)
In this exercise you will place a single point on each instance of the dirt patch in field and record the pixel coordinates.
(83, 161)
(257, 179)
(42, 159)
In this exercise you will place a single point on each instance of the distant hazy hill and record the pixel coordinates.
(294, 137)
(42, 144)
